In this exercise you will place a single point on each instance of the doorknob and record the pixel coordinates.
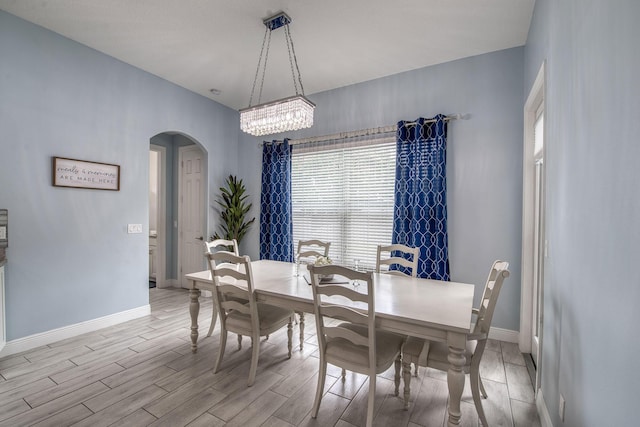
(200, 238)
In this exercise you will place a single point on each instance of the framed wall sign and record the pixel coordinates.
(83, 174)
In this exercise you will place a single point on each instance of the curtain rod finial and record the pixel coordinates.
(464, 116)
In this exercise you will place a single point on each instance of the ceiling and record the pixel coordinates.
(215, 44)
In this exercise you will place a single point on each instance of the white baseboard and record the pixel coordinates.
(44, 338)
(543, 412)
(504, 335)
(169, 283)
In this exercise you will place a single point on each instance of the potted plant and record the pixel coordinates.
(233, 211)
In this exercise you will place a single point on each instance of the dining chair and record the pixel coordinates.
(233, 279)
(308, 252)
(355, 344)
(217, 245)
(395, 255)
(438, 352)
(312, 249)
(398, 255)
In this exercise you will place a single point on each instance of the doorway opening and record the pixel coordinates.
(170, 207)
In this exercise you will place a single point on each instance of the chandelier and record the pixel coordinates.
(283, 115)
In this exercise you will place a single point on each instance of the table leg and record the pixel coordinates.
(194, 310)
(455, 375)
(301, 315)
(406, 375)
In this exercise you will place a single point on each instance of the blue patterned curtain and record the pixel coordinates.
(276, 227)
(420, 209)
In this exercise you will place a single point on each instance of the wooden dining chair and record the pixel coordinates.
(390, 257)
(395, 255)
(213, 246)
(438, 352)
(233, 279)
(355, 344)
(308, 252)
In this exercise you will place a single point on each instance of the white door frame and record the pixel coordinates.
(161, 239)
(536, 96)
(205, 190)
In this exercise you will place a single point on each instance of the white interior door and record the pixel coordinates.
(191, 211)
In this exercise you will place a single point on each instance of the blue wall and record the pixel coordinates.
(484, 155)
(590, 343)
(70, 258)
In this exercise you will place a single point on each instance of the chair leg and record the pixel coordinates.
(344, 374)
(482, 390)
(372, 399)
(475, 385)
(289, 335)
(322, 373)
(255, 354)
(396, 377)
(415, 370)
(223, 344)
(239, 342)
(406, 377)
(213, 322)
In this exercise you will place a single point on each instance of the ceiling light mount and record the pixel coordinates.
(283, 115)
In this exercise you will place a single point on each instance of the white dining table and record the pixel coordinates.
(424, 308)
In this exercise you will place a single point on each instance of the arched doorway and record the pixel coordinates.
(181, 208)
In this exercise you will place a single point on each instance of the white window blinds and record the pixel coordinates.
(343, 193)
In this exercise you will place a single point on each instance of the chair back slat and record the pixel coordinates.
(312, 249)
(343, 313)
(347, 334)
(332, 290)
(397, 254)
(222, 245)
(227, 270)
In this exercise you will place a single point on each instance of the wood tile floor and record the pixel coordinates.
(142, 373)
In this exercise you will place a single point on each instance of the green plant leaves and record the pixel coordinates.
(233, 210)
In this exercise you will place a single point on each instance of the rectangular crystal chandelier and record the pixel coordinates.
(283, 115)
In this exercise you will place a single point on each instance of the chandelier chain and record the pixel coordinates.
(293, 74)
(255, 79)
(264, 69)
(295, 59)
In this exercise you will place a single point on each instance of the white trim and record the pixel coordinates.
(528, 177)
(44, 338)
(543, 412)
(161, 244)
(3, 311)
(172, 283)
(506, 335)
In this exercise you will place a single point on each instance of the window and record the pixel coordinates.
(344, 193)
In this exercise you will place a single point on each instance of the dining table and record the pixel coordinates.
(431, 309)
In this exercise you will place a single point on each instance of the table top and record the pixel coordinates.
(423, 302)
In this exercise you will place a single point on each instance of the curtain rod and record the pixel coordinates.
(366, 132)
